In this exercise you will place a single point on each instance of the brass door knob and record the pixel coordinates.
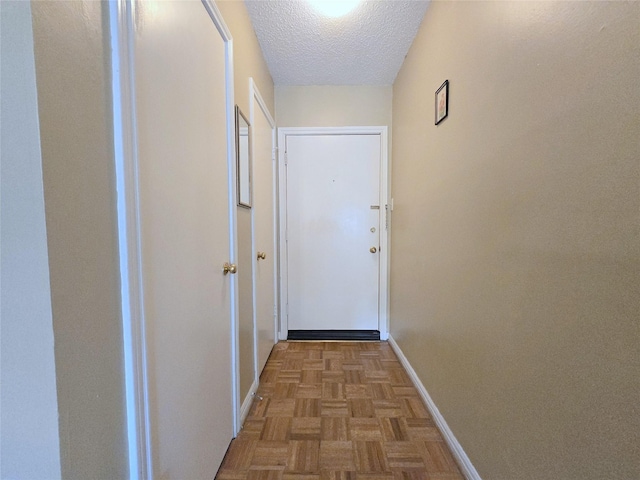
(262, 255)
(373, 249)
(229, 268)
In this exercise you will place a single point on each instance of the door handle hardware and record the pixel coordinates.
(373, 249)
(262, 255)
(229, 268)
(375, 207)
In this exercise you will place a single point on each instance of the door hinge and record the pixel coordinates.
(274, 154)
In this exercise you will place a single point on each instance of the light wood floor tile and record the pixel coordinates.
(269, 375)
(307, 407)
(311, 376)
(354, 377)
(374, 476)
(335, 428)
(285, 390)
(361, 407)
(259, 408)
(423, 429)
(337, 411)
(264, 475)
(337, 475)
(293, 363)
(252, 428)
(333, 376)
(394, 429)
(309, 390)
(370, 457)
(414, 408)
(306, 428)
(336, 455)
(352, 365)
(358, 391)
(365, 429)
(304, 456)
(404, 455)
(281, 407)
(231, 475)
(276, 429)
(411, 475)
(300, 476)
(333, 390)
(388, 408)
(377, 376)
(382, 391)
(240, 455)
(289, 376)
(437, 458)
(268, 453)
(313, 364)
(334, 408)
(405, 391)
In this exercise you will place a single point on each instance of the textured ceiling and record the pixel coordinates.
(365, 47)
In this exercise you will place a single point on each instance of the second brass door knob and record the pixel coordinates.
(229, 268)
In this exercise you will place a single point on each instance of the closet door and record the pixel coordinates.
(180, 93)
(264, 168)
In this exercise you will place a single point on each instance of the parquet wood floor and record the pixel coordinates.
(337, 411)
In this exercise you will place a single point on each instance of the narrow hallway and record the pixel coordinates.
(337, 410)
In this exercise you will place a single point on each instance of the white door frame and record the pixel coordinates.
(122, 31)
(255, 97)
(383, 298)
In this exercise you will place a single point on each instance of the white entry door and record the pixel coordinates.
(334, 226)
(182, 125)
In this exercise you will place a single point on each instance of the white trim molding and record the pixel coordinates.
(467, 468)
(248, 401)
(382, 132)
(121, 15)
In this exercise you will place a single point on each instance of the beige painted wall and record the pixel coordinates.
(333, 106)
(247, 56)
(516, 233)
(248, 62)
(72, 74)
(30, 446)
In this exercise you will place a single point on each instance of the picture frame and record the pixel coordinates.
(243, 159)
(442, 102)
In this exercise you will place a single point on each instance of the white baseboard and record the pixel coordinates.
(464, 463)
(246, 405)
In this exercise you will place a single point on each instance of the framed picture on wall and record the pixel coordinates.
(243, 159)
(442, 102)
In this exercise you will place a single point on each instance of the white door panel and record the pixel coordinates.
(264, 234)
(332, 183)
(184, 220)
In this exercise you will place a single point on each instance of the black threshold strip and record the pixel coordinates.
(359, 335)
